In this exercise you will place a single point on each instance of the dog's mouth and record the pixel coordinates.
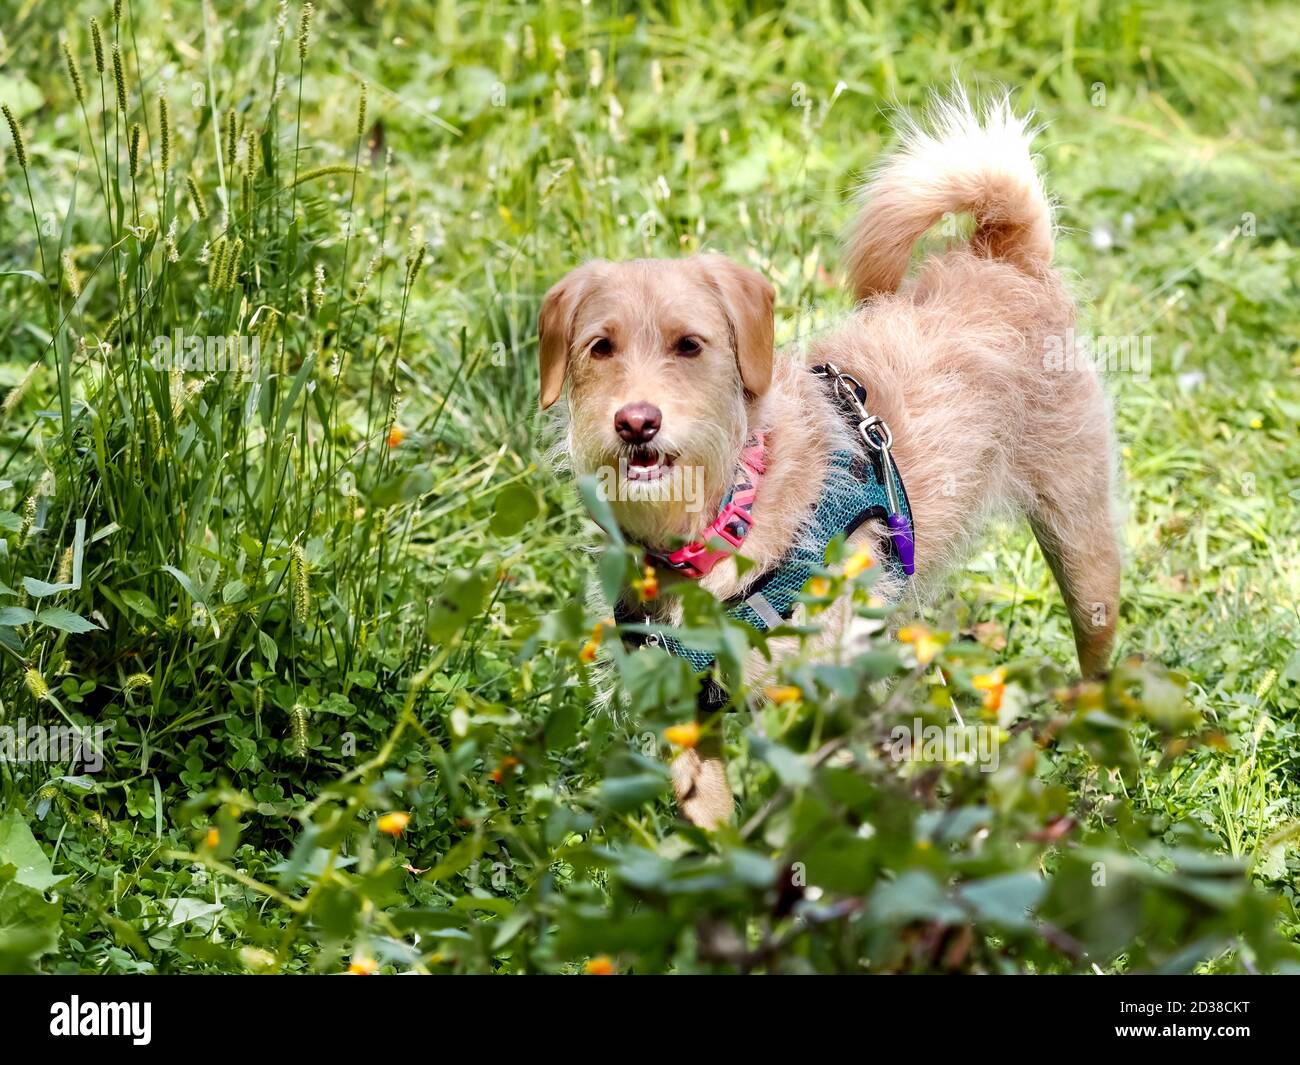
(647, 463)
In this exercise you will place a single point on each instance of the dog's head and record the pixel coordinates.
(662, 357)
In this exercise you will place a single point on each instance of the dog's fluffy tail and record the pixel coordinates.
(955, 163)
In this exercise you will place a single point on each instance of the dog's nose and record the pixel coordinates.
(637, 423)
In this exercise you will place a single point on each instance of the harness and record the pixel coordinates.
(862, 485)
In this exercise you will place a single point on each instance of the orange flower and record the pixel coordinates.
(687, 735)
(600, 965)
(819, 587)
(993, 685)
(589, 649)
(396, 435)
(362, 966)
(783, 693)
(922, 641)
(647, 587)
(508, 764)
(393, 824)
(858, 563)
(212, 839)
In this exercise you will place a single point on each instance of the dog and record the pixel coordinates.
(669, 364)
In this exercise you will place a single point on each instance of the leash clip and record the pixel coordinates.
(876, 435)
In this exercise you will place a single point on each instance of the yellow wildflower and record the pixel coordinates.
(782, 693)
(687, 735)
(394, 823)
(859, 562)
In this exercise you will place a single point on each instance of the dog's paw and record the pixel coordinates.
(703, 794)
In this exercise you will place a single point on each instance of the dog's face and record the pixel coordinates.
(662, 357)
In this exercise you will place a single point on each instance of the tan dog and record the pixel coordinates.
(669, 363)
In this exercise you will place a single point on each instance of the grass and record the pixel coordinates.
(311, 593)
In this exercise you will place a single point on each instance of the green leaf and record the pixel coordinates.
(270, 650)
(621, 794)
(29, 923)
(598, 507)
(516, 505)
(914, 896)
(40, 589)
(791, 768)
(561, 727)
(458, 859)
(612, 568)
(458, 602)
(1005, 900)
(139, 603)
(15, 615)
(18, 847)
(185, 582)
(64, 620)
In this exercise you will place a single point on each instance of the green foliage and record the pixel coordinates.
(339, 583)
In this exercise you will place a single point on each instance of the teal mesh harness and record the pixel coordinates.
(862, 485)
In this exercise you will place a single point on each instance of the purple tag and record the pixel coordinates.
(901, 530)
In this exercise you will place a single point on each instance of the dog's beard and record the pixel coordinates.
(668, 492)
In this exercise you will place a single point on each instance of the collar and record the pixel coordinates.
(733, 522)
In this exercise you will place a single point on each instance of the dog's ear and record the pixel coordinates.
(554, 325)
(555, 328)
(747, 299)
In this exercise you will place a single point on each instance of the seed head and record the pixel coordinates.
(16, 132)
(97, 43)
(36, 684)
(74, 74)
(133, 148)
(28, 520)
(231, 277)
(119, 79)
(298, 723)
(136, 681)
(70, 276)
(165, 133)
(230, 127)
(15, 395)
(304, 30)
(299, 583)
(217, 264)
(196, 199)
(413, 263)
(316, 299)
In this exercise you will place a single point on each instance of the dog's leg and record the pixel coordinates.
(1080, 547)
(700, 782)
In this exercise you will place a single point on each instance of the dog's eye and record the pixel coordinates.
(603, 348)
(688, 346)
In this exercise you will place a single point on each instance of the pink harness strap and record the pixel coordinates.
(732, 525)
